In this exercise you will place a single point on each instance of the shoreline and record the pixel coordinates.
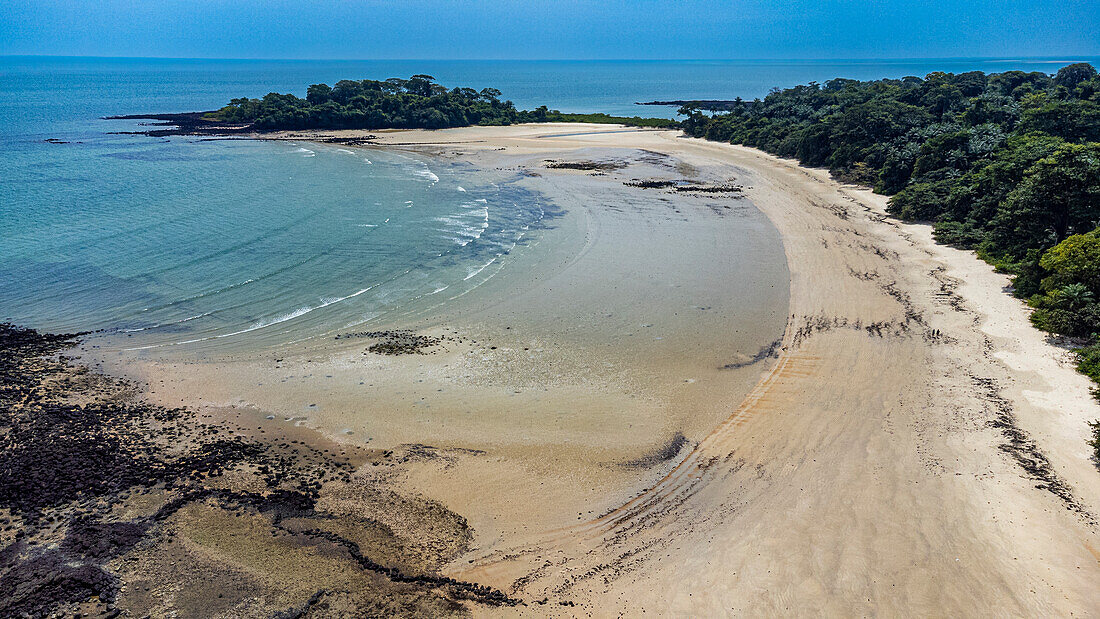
(580, 379)
(879, 466)
(948, 408)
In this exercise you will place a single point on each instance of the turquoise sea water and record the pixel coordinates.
(180, 241)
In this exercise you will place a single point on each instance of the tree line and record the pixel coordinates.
(414, 103)
(1007, 164)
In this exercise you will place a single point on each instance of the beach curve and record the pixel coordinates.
(894, 459)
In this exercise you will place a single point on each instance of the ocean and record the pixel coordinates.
(185, 242)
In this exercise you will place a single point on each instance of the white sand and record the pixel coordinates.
(863, 474)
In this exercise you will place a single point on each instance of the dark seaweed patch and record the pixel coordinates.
(75, 447)
(666, 452)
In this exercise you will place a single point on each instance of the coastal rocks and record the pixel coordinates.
(396, 341)
(710, 188)
(649, 184)
(365, 140)
(109, 505)
(187, 123)
(686, 186)
(586, 165)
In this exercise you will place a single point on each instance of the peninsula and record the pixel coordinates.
(640, 415)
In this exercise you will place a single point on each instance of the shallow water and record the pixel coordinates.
(279, 241)
(209, 244)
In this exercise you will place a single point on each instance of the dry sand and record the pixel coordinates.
(916, 447)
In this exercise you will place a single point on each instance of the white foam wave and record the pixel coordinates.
(427, 174)
(474, 272)
(168, 324)
(263, 324)
(461, 189)
(468, 225)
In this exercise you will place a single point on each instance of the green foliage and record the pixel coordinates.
(957, 233)
(1072, 120)
(415, 103)
(1071, 75)
(1074, 261)
(1067, 300)
(1058, 196)
(951, 147)
(1007, 164)
(920, 201)
(1070, 310)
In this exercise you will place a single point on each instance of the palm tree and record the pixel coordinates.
(1076, 296)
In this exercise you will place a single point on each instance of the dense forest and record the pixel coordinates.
(1007, 164)
(416, 103)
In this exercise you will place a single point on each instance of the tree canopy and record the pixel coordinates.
(1005, 162)
(1008, 164)
(417, 102)
(414, 103)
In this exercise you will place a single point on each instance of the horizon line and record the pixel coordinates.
(1052, 59)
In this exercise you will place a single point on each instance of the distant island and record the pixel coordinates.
(414, 103)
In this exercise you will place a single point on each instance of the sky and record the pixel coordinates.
(548, 29)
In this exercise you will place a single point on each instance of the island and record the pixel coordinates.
(414, 103)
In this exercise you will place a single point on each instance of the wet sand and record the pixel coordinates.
(912, 447)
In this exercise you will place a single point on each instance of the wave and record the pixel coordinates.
(424, 171)
(197, 296)
(474, 272)
(263, 324)
(167, 324)
(461, 189)
(305, 152)
(428, 174)
(460, 224)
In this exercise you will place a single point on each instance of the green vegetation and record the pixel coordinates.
(415, 103)
(1007, 164)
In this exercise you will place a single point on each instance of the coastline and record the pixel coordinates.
(576, 376)
(880, 465)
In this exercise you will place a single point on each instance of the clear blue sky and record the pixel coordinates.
(581, 29)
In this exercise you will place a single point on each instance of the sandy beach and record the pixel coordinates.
(888, 436)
